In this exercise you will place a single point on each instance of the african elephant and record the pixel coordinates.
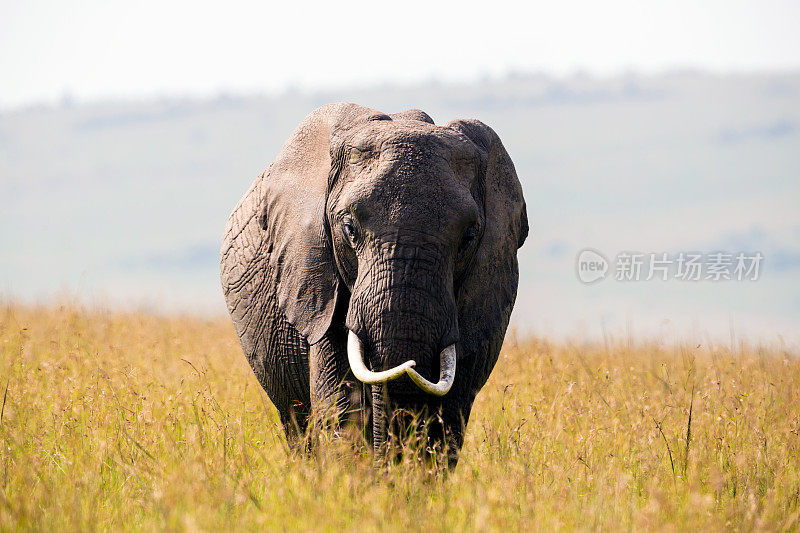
(375, 253)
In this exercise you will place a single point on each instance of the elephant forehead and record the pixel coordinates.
(411, 172)
(397, 193)
(412, 163)
(409, 139)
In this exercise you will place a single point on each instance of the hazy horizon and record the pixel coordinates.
(67, 99)
(113, 49)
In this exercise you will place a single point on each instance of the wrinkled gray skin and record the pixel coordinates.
(389, 226)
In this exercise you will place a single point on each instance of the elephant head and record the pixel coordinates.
(380, 247)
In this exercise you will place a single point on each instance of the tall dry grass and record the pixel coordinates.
(130, 421)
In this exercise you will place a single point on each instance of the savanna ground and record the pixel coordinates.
(133, 421)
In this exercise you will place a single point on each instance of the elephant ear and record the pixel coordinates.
(489, 288)
(278, 231)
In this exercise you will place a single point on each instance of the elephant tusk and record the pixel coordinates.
(355, 355)
(447, 373)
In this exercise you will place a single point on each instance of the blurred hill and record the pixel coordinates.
(126, 201)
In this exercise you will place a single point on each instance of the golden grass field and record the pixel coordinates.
(133, 421)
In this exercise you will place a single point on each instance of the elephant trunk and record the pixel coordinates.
(380, 425)
(402, 321)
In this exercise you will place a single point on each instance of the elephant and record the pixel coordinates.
(375, 253)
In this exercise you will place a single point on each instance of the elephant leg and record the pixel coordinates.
(334, 391)
(282, 371)
(455, 424)
(279, 358)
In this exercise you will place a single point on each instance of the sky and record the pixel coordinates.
(51, 50)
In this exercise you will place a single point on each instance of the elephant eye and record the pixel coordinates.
(467, 239)
(350, 230)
